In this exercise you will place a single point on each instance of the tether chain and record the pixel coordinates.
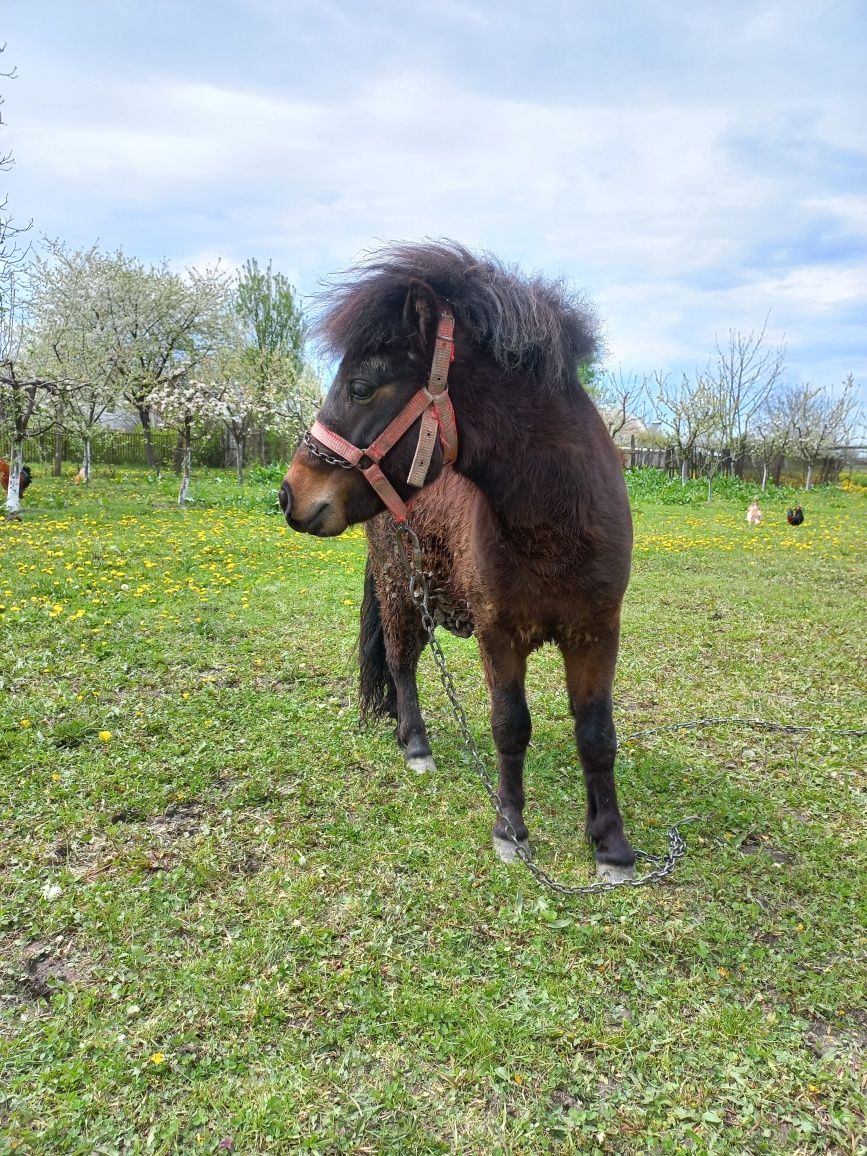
(420, 594)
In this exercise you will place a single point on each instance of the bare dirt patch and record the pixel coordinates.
(36, 970)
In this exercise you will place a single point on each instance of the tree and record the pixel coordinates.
(619, 399)
(21, 396)
(190, 408)
(739, 379)
(248, 393)
(686, 411)
(821, 421)
(150, 321)
(71, 343)
(772, 434)
(296, 410)
(273, 331)
(24, 395)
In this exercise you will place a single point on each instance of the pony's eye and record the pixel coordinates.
(361, 390)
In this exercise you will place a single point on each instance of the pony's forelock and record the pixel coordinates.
(526, 323)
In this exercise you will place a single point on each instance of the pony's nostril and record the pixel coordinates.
(285, 498)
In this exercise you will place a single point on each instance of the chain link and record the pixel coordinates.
(326, 457)
(420, 593)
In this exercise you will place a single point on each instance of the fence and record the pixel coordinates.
(218, 451)
(130, 448)
(826, 469)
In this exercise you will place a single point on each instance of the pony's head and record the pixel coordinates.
(379, 386)
(516, 339)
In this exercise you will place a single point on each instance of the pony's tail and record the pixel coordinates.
(376, 689)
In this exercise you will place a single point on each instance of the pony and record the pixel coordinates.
(460, 376)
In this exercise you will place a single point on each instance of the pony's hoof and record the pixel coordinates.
(507, 850)
(614, 873)
(422, 765)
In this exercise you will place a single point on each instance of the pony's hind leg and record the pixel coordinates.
(505, 671)
(589, 677)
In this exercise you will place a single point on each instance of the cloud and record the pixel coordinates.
(693, 168)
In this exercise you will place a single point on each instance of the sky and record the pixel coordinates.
(693, 167)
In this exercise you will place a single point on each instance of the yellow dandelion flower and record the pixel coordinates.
(105, 736)
(25, 723)
(158, 1058)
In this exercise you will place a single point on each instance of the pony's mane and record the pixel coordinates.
(525, 323)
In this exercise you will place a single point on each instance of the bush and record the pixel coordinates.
(657, 485)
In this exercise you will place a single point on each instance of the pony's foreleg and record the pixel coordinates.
(505, 672)
(589, 678)
(404, 642)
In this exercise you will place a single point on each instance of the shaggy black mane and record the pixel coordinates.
(526, 323)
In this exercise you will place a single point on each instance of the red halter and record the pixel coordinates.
(434, 407)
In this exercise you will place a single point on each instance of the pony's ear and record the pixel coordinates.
(420, 316)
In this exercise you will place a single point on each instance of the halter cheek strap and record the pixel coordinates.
(432, 405)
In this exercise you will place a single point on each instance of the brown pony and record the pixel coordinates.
(527, 537)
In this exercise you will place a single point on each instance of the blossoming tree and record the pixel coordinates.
(191, 408)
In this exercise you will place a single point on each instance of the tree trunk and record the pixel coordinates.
(808, 483)
(179, 455)
(239, 459)
(764, 477)
(684, 471)
(144, 416)
(709, 487)
(13, 498)
(186, 469)
(57, 464)
(85, 465)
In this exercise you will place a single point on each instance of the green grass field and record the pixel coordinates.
(231, 920)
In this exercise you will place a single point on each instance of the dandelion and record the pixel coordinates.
(105, 736)
(158, 1058)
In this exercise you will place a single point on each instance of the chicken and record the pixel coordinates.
(795, 517)
(24, 478)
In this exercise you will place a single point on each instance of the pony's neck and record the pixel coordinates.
(527, 457)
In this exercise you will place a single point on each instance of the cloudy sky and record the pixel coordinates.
(695, 166)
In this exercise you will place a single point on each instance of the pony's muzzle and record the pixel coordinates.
(315, 519)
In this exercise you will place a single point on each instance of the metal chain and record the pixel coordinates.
(326, 457)
(420, 594)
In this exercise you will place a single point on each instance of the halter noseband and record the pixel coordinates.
(432, 404)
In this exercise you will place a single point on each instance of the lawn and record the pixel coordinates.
(230, 920)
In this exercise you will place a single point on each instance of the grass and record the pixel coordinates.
(231, 920)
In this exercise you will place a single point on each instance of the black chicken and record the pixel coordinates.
(795, 517)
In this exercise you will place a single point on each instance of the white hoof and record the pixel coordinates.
(423, 765)
(507, 850)
(611, 873)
